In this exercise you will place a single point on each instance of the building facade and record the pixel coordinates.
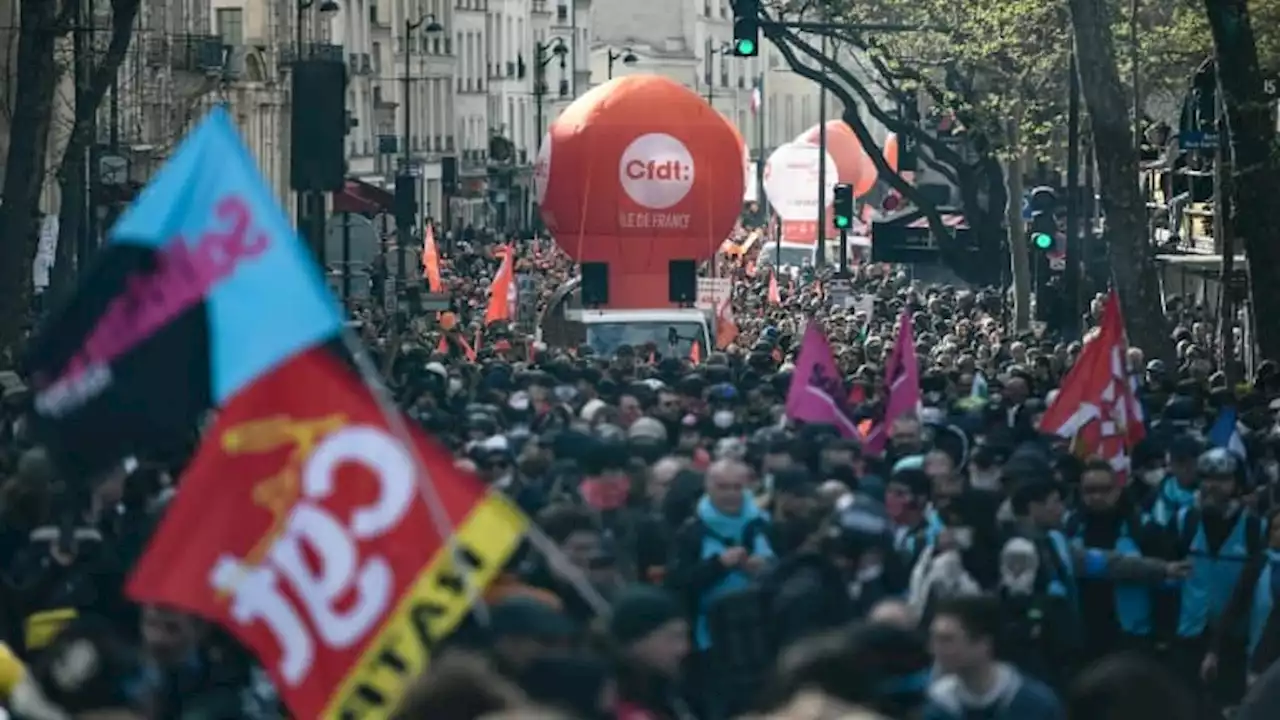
(689, 41)
(445, 88)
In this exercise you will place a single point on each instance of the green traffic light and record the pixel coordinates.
(745, 46)
(1042, 241)
(841, 221)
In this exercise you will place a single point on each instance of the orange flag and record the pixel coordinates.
(726, 326)
(431, 261)
(695, 353)
(500, 289)
(774, 297)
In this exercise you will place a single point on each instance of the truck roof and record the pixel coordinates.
(654, 315)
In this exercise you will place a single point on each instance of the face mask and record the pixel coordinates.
(518, 401)
(1021, 583)
(723, 419)
(1153, 477)
(455, 386)
(985, 479)
(565, 393)
(503, 480)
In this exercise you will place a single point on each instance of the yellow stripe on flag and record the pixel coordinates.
(430, 609)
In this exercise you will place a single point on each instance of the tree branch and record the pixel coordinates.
(780, 37)
(123, 15)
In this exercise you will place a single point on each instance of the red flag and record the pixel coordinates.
(1096, 407)
(300, 528)
(774, 297)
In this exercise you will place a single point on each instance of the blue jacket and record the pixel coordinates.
(1015, 697)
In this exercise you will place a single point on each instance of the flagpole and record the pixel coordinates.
(435, 506)
(761, 200)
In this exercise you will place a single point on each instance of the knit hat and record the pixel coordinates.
(640, 610)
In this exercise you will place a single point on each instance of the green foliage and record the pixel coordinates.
(1175, 38)
(1011, 56)
(983, 61)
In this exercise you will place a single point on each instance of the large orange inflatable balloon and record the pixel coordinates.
(851, 159)
(636, 173)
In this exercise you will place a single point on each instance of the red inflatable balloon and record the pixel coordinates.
(636, 173)
(851, 159)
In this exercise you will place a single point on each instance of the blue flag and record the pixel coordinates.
(266, 299)
(201, 287)
(1225, 433)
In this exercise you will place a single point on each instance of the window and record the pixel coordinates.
(562, 13)
(377, 58)
(231, 26)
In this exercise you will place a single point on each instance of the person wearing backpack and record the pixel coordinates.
(1219, 537)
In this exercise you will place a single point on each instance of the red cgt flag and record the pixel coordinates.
(1096, 408)
(300, 528)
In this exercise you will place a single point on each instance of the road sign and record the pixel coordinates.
(1197, 140)
(1271, 87)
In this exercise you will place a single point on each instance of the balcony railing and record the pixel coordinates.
(310, 51)
(186, 53)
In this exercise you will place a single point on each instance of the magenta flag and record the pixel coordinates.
(817, 393)
(902, 378)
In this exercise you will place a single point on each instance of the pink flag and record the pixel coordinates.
(817, 393)
(902, 376)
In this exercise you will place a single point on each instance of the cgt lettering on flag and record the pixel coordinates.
(346, 589)
(301, 527)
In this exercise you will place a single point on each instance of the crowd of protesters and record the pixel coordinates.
(751, 567)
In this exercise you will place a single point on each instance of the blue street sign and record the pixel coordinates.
(1197, 140)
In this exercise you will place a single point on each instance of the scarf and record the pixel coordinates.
(721, 533)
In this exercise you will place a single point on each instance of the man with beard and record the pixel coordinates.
(1118, 614)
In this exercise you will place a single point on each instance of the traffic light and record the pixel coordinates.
(842, 207)
(746, 28)
(1044, 225)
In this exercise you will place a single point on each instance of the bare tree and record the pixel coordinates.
(71, 178)
(40, 26)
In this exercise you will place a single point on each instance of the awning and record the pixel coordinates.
(357, 196)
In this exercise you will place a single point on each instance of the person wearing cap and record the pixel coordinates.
(1218, 536)
(650, 638)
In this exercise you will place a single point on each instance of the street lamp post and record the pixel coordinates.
(543, 54)
(626, 56)
(405, 221)
(310, 202)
